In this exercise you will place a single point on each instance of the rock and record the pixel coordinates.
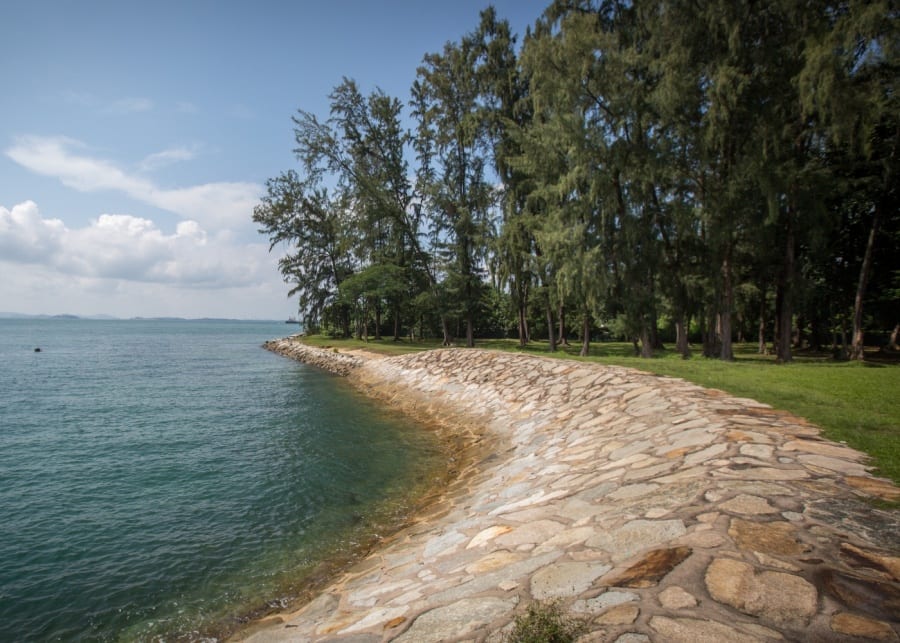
(692, 630)
(619, 615)
(878, 487)
(873, 597)
(748, 505)
(632, 537)
(565, 579)
(856, 625)
(604, 601)
(633, 637)
(485, 535)
(676, 598)
(784, 599)
(856, 557)
(650, 569)
(455, 620)
(767, 537)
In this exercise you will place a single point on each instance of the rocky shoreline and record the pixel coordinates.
(652, 508)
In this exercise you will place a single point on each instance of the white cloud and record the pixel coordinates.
(125, 247)
(121, 106)
(215, 205)
(129, 106)
(166, 157)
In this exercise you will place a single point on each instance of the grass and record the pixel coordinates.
(852, 402)
(546, 623)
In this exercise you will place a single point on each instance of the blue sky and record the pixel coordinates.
(136, 137)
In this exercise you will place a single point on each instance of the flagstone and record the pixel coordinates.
(716, 509)
(784, 599)
(565, 579)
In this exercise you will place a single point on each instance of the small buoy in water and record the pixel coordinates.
(37, 350)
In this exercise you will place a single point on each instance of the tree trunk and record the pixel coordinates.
(562, 339)
(857, 349)
(727, 353)
(551, 332)
(397, 323)
(709, 336)
(785, 320)
(523, 327)
(470, 331)
(445, 328)
(893, 342)
(646, 341)
(378, 321)
(586, 335)
(681, 338)
(763, 348)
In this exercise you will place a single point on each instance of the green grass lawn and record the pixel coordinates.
(852, 402)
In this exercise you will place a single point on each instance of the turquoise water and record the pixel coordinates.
(161, 478)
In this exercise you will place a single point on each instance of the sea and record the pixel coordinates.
(167, 480)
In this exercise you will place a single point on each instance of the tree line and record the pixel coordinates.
(656, 170)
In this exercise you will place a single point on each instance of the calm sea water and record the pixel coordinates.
(158, 478)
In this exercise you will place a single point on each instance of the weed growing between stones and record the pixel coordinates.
(546, 623)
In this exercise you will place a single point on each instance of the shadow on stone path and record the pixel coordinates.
(654, 508)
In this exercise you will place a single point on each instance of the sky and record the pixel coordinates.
(136, 138)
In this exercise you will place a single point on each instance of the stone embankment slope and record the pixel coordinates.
(653, 508)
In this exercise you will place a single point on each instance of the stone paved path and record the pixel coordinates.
(654, 508)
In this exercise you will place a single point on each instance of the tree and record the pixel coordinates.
(453, 146)
(303, 215)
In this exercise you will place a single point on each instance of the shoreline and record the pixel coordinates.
(639, 502)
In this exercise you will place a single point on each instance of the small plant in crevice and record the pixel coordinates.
(546, 623)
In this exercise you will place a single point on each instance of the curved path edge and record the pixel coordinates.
(648, 507)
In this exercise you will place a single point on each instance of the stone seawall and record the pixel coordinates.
(652, 508)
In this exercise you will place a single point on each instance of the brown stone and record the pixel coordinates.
(856, 557)
(650, 569)
(876, 598)
(693, 630)
(855, 625)
(777, 538)
(394, 622)
(875, 487)
(619, 615)
(784, 599)
(748, 505)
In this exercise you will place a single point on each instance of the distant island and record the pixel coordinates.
(67, 316)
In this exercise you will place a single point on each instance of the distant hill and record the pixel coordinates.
(9, 315)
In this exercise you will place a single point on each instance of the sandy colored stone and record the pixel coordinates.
(767, 537)
(604, 601)
(456, 619)
(619, 615)
(692, 630)
(748, 505)
(485, 535)
(565, 579)
(875, 487)
(784, 599)
(863, 627)
(761, 451)
(636, 535)
(676, 598)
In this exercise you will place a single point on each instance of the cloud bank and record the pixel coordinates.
(127, 266)
(121, 246)
(215, 205)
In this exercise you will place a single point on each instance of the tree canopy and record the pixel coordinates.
(656, 170)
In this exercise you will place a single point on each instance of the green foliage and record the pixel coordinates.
(546, 623)
(725, 166)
